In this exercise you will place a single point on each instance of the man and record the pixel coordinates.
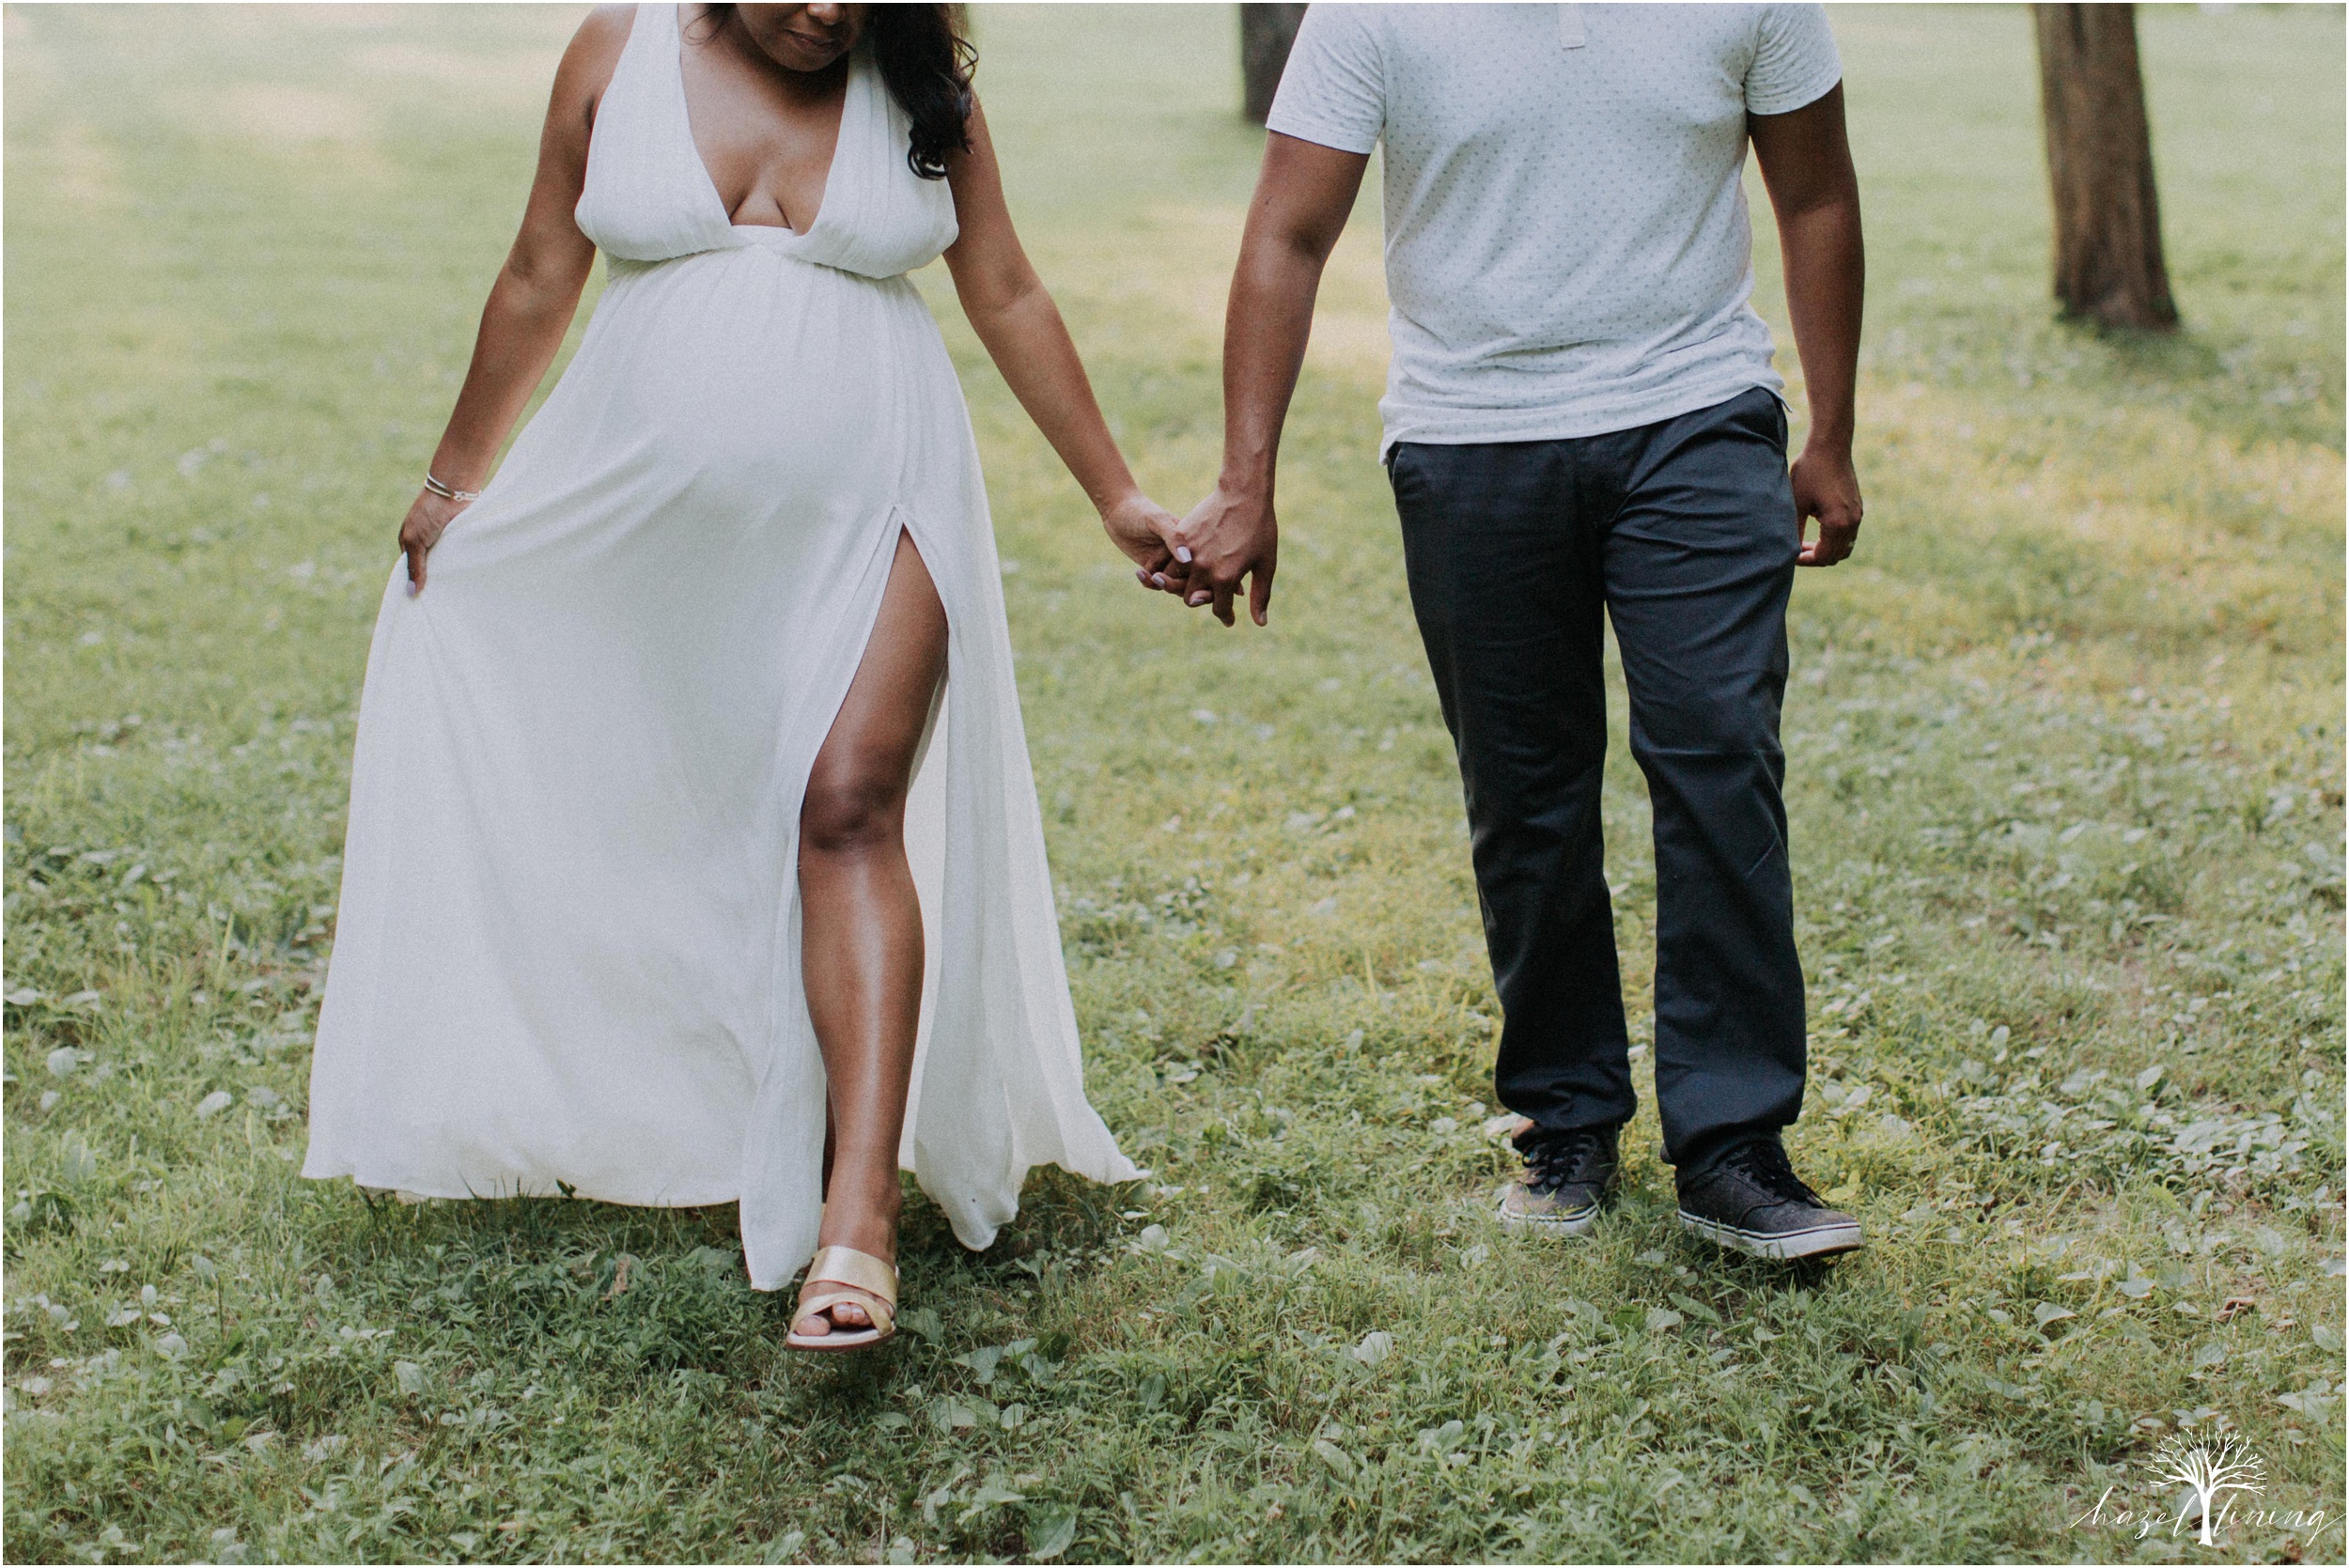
(1581, 415)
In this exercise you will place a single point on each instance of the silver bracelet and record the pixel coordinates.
(447, 492)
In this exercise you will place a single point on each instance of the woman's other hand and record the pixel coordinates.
(1145, 532)
(429, 516)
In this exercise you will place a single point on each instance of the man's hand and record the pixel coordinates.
(1826, 488)
(1228, 537)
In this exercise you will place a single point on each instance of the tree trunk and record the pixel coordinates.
(2100, 167)
(1266, 32)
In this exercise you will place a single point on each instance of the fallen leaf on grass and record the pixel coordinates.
(1340, 1462)
(970, 1410)
(2234, 1304)
(619, 1276)
(2314, 1400)
(1695, 1308)
(1050, 1531)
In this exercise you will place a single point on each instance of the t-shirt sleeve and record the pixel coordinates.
(1333, 91)
(1794, 61)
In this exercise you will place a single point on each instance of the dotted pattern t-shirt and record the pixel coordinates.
(1566, 242)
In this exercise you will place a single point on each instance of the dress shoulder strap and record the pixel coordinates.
(646, 196)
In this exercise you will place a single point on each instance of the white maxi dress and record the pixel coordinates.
(568, 955)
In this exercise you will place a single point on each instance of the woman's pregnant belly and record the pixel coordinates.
(731, 436)
(748, 379)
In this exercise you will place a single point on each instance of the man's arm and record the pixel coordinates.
(1806, 165)
(1302, 200)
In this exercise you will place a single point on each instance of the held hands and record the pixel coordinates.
(429, 516)
(1230, 536)
(1826, 488)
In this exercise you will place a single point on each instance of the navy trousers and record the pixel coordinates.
(1684, 532)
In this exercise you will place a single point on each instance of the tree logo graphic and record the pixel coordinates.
(2210, 1469)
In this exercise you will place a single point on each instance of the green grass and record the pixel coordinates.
(2065, 784)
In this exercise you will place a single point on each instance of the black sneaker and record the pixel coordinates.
(1567, 1177)
(1752, 1200)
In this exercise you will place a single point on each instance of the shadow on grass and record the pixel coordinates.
(1065, 1217)
(2208, 378)
(615, 1293)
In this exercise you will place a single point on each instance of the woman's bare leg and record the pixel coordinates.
(861, 926)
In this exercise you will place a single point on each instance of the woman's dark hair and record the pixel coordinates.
(925, 62)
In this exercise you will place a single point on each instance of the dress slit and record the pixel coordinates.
(787, 1128)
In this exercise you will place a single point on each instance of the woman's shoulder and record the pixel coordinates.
(591, 58)
(606, 29)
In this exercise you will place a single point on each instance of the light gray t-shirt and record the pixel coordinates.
(1567, 248)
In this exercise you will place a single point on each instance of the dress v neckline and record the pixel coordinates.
(709, 182)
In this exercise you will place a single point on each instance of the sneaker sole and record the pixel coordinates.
(1561, 1225)
(1779, 1245)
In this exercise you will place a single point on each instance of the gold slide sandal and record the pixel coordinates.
(872, 1289)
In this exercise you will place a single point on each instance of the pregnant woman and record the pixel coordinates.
(665, 724)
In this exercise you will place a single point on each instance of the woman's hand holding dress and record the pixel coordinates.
(429, 516)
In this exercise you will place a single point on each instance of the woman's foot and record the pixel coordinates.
(853, 1300)
(847, 1311)
(842, 1281)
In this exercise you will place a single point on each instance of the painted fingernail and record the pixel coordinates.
(1181, 553)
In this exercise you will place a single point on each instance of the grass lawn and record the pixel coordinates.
(2065, 779)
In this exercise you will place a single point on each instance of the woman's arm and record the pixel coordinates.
(1017, 320)
(535, 295)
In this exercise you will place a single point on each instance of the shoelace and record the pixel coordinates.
(1764, 1163)
(1560, 1157)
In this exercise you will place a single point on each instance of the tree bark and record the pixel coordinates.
(1266, 32)
(2108, 266)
